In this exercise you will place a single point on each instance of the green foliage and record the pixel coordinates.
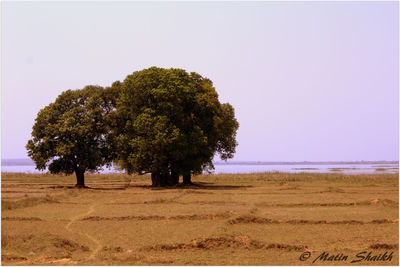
(170, 120)
(161, 121)
(73, 133)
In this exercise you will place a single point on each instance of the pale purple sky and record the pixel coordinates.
(315, 81)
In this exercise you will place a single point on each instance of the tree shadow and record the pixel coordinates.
(195, 186)
(213, 186)
(107, 188)
(86, 187)
(59, 187)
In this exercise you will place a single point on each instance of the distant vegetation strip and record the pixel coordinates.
(29, 162)
(260, 220)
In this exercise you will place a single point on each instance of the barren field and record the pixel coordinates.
(242, 219)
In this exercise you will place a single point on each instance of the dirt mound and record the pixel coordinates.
(323, 222)
(201, 216)
(384, 221)
(286, 247)
(384, 246)
(347, 222)
(122, 218)
(68, 245)
(227, 241)
(46, 245)
(221, 242)
(113, 249)
(261, 220)
(295, 205)
(156, 217)
(384, 202)
(20, 219)
(252, 219)
(8, 257)
(306, 222)
(216, 203)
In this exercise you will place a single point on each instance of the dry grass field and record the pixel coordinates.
(243, 219)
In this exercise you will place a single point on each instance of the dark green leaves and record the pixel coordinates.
(158, 120)
(73, 133)
(172, 120)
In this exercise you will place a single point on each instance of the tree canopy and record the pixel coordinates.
(166, 122)
(171, 124)
(73, 134)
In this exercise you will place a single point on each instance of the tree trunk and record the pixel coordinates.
(187, 178)
(159, 179)
(174, 177)
(155, 179)
(164, 179)
(80, 179)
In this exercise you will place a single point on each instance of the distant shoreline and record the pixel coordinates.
(29, 162)
(304, 162)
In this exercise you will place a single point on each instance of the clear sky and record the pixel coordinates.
(315, 81)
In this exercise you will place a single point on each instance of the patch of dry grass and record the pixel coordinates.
(224, 242)
(251, 219)
(26, 202)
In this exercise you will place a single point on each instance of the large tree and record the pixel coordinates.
(171, 123)
(73, 134)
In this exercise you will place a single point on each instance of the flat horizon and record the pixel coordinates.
(28, 161)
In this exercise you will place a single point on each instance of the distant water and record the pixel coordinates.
(27, 166)
(320, 168)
